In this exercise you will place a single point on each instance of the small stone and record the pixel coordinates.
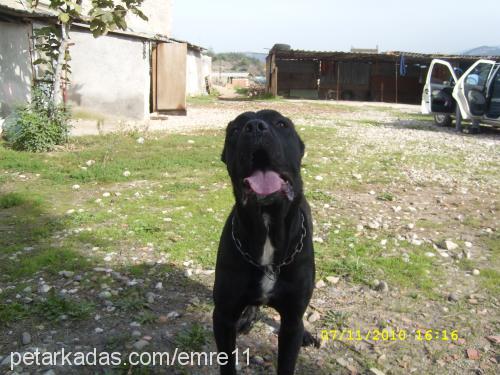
(105, 294)
(173, 315)
(428, 254)
(70, 212)
(25, 338)
(410, 226)
(359, 227)
(190, 141)
(126, 173)
(159, 285)
(376, 371)
(382, 287)
(150, 297)
(67, 274)
(313, 317)
(475, 272)
(468, 244)
(374, 224)
(75, 187)
(494, 339)
(258, 360)
(27, 289)
(452, 297)
(320, 284)
(162, 319)
(89, 163)
(357, 176)
(49, 372)
(473, 354)
(318, 178)
(450, 245)
(98, 330)
(140, 140)
(333, 279)
(106, 194)
(136, 333)
(44, 288)
(318, 239)
(141, 344)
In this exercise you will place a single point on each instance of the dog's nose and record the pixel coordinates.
(256, 126)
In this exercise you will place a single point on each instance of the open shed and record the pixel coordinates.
(395, 77)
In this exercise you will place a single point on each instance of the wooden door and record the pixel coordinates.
(169, 78)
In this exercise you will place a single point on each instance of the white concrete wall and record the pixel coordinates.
(110, 74)
(159, 13)
(198, 66)
(15, 67)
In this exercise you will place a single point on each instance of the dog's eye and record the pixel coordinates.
(234, 131)
(282, 124)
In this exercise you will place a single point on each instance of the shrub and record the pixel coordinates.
(38, 126)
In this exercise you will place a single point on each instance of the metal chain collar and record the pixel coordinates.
(271, 271)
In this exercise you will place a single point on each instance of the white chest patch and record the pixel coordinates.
(267, 282)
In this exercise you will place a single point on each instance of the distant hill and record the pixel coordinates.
(238, 62)
(483, 51)
(257, 55)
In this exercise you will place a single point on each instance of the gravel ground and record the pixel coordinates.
(430, 204)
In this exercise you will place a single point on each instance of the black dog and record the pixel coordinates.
(265, 253)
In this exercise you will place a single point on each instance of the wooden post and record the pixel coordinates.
(396, 81)
(338, 80)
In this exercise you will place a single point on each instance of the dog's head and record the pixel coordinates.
(263, 154)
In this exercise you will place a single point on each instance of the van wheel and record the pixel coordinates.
(442, 119)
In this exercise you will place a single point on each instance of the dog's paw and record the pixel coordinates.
(309, 340)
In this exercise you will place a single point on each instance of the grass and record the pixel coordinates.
(176, 200)
(192, 339)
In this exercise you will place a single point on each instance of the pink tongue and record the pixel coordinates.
(265, 182)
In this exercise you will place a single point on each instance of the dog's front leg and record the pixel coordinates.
(289, 342)
(224, 322)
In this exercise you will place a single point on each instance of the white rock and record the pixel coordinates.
(376, 371)
(313, 317)
(318, 239)
(475, 272)
(333, 279)
(98, 330)
(320, 284)
(374, 224)
(159, 285)
(318, 178)
(106, 194)
(468, 244)
(190, 141)
(140, 140)
(126, 173)
(173, 315)
(70, 212)
(75, 187)
(90, 162)
(450, 245)
(44, 288)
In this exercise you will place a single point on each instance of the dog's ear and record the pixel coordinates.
(223, 155)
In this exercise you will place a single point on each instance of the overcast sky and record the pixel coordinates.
(446, 26)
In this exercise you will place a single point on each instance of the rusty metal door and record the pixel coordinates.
(169, 78)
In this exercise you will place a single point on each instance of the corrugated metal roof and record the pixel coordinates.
(383, 56)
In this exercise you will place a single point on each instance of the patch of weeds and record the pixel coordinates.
(490, 279)
(51, 260)
(11, 312)
(318, 195)
(131, 301)
(385, 197)
(336, 319)
(11, 200)
(146, 317)
(54, 306)
(192, 339)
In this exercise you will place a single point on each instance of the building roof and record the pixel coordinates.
(20, 9)
(390, 56)
(17, 9)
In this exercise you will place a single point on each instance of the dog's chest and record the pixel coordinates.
(268, 280)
